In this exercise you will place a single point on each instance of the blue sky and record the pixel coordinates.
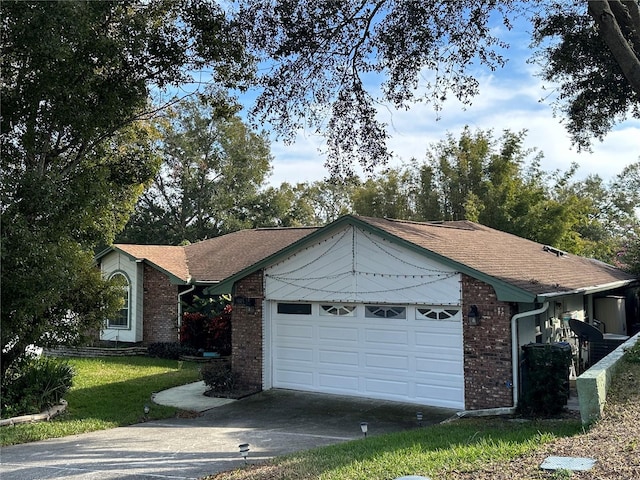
(509, 99)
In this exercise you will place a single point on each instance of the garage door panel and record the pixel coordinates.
(340, 334)
(295, 332)
(440, 396)
(387, 387)
(294, 354)
(338, 382)
(336, 357)
(437, 339)
(387, 362)
(295, 378)
(395, 338)
(427, 365)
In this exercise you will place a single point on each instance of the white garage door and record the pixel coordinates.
(402, 353)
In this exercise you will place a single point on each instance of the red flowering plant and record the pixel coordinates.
(206, 325)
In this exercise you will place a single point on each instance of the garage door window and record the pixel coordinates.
(294, 308)
(384, 311)
(436, 313)
(338, 310)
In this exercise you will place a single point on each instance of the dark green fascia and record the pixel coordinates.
(504, 291)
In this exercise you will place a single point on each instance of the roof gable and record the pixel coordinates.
(166, 258)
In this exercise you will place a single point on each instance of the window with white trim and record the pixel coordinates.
(338, 310)
(385, 311)
(435, 312)
(121, 319)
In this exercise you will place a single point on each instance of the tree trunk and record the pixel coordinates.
(611, 29)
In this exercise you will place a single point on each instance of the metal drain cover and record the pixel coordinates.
(567, 463)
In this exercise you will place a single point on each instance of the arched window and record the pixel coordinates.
(121, 320)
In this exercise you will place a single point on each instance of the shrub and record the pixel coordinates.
(207, 333)
(169, 350)
(218, 376)
(632, 354)
(34, 385)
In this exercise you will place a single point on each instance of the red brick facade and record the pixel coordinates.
(247, 333)
(487, 347)
(160, 307)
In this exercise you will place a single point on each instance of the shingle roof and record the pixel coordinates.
(522, 263)
(218, 258)
(213, 260)
(526, 265)
(171, 259)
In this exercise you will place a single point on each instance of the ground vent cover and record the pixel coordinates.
(567, 463)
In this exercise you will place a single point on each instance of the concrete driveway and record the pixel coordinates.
(274, 423)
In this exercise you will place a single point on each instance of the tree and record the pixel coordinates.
(212, 169)
(594, 57)
(76, 151)
(498, 183)
(390, 194)
(322, 56)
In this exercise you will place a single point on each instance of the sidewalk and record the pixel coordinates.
(189, 397)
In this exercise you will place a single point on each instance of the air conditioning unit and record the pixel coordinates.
(610, 311)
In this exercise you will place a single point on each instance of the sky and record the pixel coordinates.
(509, 98)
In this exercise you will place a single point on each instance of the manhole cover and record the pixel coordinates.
(567, 463)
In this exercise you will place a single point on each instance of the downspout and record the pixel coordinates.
(514, 347)
(514, 361)
(188, 290)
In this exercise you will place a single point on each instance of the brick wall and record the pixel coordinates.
(487, 347)
(160, 308)
(246, 333)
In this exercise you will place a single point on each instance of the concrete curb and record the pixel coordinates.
(593, 384)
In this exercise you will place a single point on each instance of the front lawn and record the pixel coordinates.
(107, 393)
(438, 451)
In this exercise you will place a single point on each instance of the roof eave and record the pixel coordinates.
(589, 290)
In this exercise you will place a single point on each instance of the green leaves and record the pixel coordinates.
(78, 147)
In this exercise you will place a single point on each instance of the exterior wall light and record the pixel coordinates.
(474, 315)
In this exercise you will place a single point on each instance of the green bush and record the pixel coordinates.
(545, 379)
(35, 384)
(169, 350)
(218, 376)
(632, 354)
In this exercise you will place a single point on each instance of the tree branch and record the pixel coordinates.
(612, 35)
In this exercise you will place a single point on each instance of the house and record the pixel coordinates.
(427, 313)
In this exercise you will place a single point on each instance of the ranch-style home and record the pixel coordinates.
(427, 313)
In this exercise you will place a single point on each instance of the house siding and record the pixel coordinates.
(160, 307)
(487, 347)
(247, 333)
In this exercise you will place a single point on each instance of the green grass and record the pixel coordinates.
(435, 452)
(107, 393)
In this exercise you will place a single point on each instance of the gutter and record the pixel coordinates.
(588, 290)
(514, 347)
